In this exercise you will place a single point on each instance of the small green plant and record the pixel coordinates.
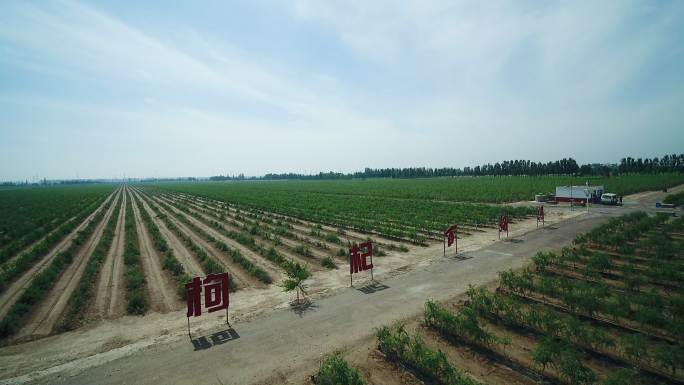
(296, 275)
(335, 371)
(328, 262)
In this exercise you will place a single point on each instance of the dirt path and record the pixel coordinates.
(240, 275)
(16, 288)
(286, 346)
(44, 318)
(191, 265)
(160, 286)
(272, 269)
(110, 290)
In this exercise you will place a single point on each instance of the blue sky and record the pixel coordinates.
(103, 89)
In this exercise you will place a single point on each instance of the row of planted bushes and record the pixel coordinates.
(30, 214)
(169, 261)
(562, 342)
(334, 370)
(84, 292)
(254, 228)
(234, 254)
(209, 264)
(647, 309)
(136, 292)
(242, 237)
(40, 231)
(13, 270)
(632, 348)
(431, 366)
(46, 278)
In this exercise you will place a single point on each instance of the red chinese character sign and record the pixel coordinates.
(503, 225)
(540, 215)
(216, 295)
(450, 238)
(358, 259)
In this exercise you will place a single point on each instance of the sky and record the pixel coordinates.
(109, 89)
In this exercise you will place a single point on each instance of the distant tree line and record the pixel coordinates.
(566, 166)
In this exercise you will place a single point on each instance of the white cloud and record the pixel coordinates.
(453, 83)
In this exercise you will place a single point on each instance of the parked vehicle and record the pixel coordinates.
(609, 199)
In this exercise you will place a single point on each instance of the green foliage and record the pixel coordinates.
(46, 279)
(328, 262)
(565, 358)
(413, 219)
(463, 324)
(296, 275)
(431, 366)
(84, 292)
(14, 268)
(335, 371)
(29, 214)
(136, 291)
(677, 199)
(169, 261)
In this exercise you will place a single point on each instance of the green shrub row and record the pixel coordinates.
(209, 264)
(84, 292)
(234, 254)
(46, 279)
(13, 270)
(242, 238)
(136, 287)
(36, 233)
(334, 370)
(169, 261)
(31, 213)
(431, 366)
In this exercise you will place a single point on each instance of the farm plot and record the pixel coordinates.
(37, 305)
(286, 236)
(314, 232)
(31, 218)
(491, 189)
(602, 312)
(414, 220)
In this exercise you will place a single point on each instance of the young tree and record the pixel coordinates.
(296, 275)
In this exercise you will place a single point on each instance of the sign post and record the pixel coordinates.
(540, 216)
(503, 225)
(357, 260)
(450, 237)
(216, 295)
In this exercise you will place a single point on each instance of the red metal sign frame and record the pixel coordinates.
(357, 259)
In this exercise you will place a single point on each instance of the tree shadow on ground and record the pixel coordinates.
(304, 306)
